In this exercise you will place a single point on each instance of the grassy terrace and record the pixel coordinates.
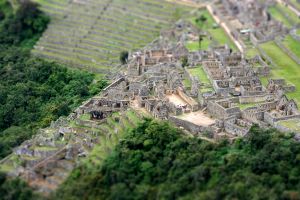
(200, 73)
(287, 67)
(92, 35)
(295, 4)
(252, 52)
(277, 12)
(194, 46)
(217, 33)
(293, 124)
(129, 119)
(292, 44)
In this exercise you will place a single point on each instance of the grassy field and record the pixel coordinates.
(292, 44)
(216, 32)
(277, 10)
(194, 45)
(95, 32)
(200, 73)
(287, 68)
(293, 124)
(252, 52)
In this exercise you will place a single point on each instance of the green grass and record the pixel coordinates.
(194, 45)
(293, 124)
(298, 32)
(296, 4)
(252, 52)
(200, 73)
(289, 12)
(221, 37)
(275, 12)
(278, 16)
(45, 148)
(292, 44)
(287, 67)
(85, 117)
(218, 34)
(106, 144)
(129, 31)
(247, 105)
(187, 83)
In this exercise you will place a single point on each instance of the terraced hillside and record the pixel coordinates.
(92, 33)
(46, 160)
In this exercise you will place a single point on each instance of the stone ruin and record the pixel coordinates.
(155, 82)
(249, 21)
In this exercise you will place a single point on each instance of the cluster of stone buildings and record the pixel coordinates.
(249, 21)
(153, 81)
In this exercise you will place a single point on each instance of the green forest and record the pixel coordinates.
(33, 92)
(156, 161)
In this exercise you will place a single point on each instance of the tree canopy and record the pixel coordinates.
(156, 161)
(33, 92)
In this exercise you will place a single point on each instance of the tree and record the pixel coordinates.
(184, 61)
(202, 19)
(124, 57)
(200, 40)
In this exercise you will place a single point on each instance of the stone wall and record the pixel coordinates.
(234, 129)
(192, 103)
(193, 128)
(272, 120)
(283, 128)
(287, 51)
(254, 98)
(90, 123)
(220, 112)
(114, 84)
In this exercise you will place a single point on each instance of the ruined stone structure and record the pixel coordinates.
(154, 82)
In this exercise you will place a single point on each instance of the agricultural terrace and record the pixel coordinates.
(91, 34)
(295, 4)
(291, 44)
(216, 34)
(286, 67)
(284, 15)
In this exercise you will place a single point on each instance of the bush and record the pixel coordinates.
(124, 57)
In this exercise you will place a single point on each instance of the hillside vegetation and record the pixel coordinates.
(33, 92)
(91, 34)
(156, 161)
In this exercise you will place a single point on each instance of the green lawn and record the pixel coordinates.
(292, 44)
(217, 33)
(200, 73)
(278, 16)
(194, 45)
(290, 13)
(275, 12)
(293, 124)
(187, 83)
(247, 105)
(252, 52)
(287, 68)
(298, 32)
